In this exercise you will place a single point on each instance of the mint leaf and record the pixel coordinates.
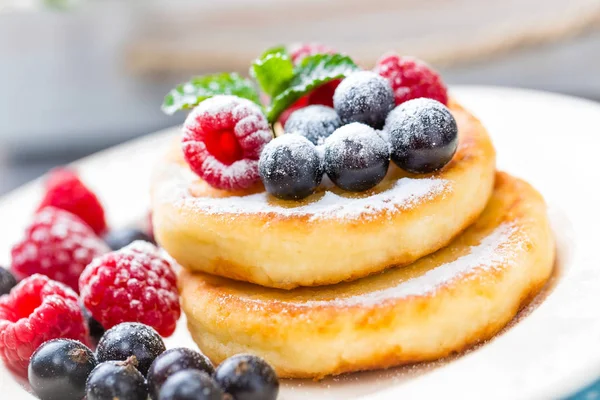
(190, 94)
(273, 71)
(314, 71)
(274, 50)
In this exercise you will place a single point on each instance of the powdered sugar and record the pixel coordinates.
(315, 122)
(405, 194)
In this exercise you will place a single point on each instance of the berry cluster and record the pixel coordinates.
(58, 245)
(349, 123)
(132, 363)
(418, 135)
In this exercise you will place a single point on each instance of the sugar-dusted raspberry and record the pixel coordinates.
(222, 141)
(37, 310)
(411, 78)
(65, 190)
(57, 244)
(134, 284)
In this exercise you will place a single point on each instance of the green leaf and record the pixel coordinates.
(314, 71)
(190, 94)
(273, 71)
(274, 50)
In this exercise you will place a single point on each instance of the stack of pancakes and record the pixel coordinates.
(415, 269)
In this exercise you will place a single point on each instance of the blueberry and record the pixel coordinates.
(96, 329)
(59, 369)
(423, 135)
(313, 122)
(190, 385)
(131, 339)
(116, 380)
(7, 281)
(290, 167)
(364, 97)
(356, 157)
(172, 361)
(119, 238)
(247, 377)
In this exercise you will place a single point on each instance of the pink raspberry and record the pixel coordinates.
(222, 141)
(37, 310)
(411, 78)
(57, 244)
(133, 284)
(65, 190)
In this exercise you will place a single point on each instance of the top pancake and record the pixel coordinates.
(329, 237)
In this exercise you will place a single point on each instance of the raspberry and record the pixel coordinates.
(222, 141)
(323, 94)
(134, 284)
(411, 78)
(37, 310)
(57, 244)
(65, 190)
(300, 51)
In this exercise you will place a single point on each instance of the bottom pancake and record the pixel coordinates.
(440, 304)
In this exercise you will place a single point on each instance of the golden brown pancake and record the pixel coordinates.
(460, 295)
(330, 237)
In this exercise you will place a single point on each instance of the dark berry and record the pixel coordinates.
(96, 329)
(290, 167)
(423, 135)
(364, 97)
(119, 238)
(315, 123)
(59, 369)
(116, 380)
(191, 385)
(356, 157)
(7, 281)
(172, 361)
(247, 377)
(131, 339)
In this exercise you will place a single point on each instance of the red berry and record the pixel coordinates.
(222, 141)
(65, 190)
(57, 244)
(300, 51)
(134, 284)
(322, 94)
(411, 78)
(37, 310)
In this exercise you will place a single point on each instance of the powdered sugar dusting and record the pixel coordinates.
(404, 194)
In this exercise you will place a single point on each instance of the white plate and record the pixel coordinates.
(550, 140)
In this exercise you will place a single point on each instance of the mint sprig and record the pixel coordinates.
(273, 70)
(190, 94)
(314, 71)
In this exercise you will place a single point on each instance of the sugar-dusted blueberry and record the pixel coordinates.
(290, 167)
(119, 238)
(116, 380)
(131, 339)
(364, 97)
(315, 123)
(191, 385)
(59, 368)
(247, 377)
(7, 281)
(173, 361)
(423, 135)
(356, 157)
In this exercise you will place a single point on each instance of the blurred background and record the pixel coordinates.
(77, 76)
